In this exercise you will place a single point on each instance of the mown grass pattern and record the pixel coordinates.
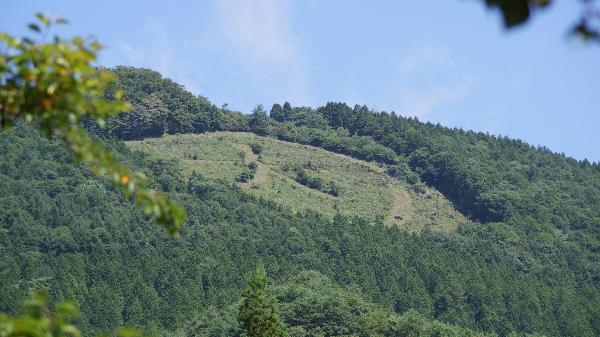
(364, 188)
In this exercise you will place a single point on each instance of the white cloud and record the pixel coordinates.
(156, 53)
(259, 29)
(429, 78)
(422, 102)
(259, 35)
(426, 56)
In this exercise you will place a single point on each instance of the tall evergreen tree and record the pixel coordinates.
(259, 121)
(277, 113)
(259, 316)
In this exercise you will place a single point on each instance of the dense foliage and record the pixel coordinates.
(488, 178)
(306, 179)
(39, 320)
(54, 86)
(247, 173)
(75, 237)
(259, 315)
(159, 106)
(313, 305)
(531, 264)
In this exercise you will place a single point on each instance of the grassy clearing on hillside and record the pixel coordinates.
(364, 188)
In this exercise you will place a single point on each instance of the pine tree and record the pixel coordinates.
(277, 113)
(259, 121)
(258, 314)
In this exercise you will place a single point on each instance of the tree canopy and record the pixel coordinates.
(259, 316)
(54, 85)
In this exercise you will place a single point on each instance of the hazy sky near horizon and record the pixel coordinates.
(446, 61)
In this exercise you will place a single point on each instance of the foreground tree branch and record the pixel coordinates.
(54, 85)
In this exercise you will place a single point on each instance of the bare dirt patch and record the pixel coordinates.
(402, 208)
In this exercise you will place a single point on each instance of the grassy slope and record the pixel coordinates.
(365, 189)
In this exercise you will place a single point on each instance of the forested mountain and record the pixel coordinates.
(528, 261)
(489, 178)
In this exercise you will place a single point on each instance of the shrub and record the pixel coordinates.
(316, 183)
(248, 173)
(256, 148)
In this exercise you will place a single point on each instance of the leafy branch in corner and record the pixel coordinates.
(517, 12)
(54, 85)
(43, 320)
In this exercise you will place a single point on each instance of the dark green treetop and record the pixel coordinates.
(258, 314)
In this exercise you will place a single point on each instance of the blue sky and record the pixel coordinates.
(446, 61)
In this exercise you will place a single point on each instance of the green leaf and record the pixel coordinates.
(34, 27)
(514, 12)
(43, 19)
